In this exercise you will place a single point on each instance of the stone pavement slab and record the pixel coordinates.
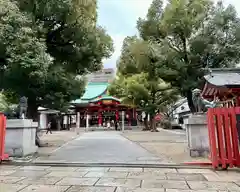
(125, 169)
(10, 179)
(122, 189)
(35, 168)
(116, 179)
(162, 170)
(206, 185)
(189, 190)
(77, 181)
(101, 147)
(146, 175)
(132, 183)
(185, 176)
(6, 172)
(95, 169)
(91, 189)
(11, 187)
(107, 174)
(31, 174)
(63, 169)
(45, 188)
(40, 181)
(170, 184)
(65, 174)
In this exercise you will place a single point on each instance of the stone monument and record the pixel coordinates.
(21, 133)
(23, 105)
(196, 127)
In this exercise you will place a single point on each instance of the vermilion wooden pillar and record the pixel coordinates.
(129, 117)
(117, 115)
(99, 117)
(238, 101)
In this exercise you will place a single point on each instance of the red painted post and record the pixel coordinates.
(3, 156)
(220, 138)
(228, 145)
(235, 140)
(100, 118)
(129, 117)
(212, 137)
(223, 137)
(117, 115)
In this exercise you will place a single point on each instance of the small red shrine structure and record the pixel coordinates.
(101, 107)
(223, 84)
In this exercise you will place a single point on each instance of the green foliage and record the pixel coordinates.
(138, 83)
(45, 44)
(3, 103)
(190, 36)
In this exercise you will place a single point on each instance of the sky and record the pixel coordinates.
(119, 19)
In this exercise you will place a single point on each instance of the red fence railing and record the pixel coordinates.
(223, 137)
(3, 156)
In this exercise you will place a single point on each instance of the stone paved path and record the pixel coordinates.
(106, 179)
(101, 147)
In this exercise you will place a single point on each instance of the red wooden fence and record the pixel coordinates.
(3, 156)
(223, 137)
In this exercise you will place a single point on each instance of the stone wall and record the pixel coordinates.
(197, 135)
(20, 137)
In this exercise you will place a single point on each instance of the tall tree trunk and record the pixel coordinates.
(153, 125)
(58, 124)
(32, 111)
(145, 122)
(190, 101)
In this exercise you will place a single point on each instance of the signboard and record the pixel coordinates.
(107, 102)
(158, 117)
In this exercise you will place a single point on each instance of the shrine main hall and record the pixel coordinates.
(96, 106)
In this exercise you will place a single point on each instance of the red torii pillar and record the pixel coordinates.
(117, 115)
(100, 117)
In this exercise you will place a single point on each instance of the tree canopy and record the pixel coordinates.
(186, 36)
(45, 45)
(137, 83)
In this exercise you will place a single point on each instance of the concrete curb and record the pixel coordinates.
(125, 165)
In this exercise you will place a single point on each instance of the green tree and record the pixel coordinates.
(3, 103)
(191, 35)
(45, 45)
(138, 83)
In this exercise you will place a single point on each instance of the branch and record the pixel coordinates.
(170, 44)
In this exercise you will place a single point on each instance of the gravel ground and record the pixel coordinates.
(168, 145)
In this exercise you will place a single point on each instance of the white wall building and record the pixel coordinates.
(181, 109)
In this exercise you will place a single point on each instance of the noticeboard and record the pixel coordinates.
(107, 102)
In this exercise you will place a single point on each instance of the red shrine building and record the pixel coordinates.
(223, 84)
(96, 107)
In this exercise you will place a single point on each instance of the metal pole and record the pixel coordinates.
(122, 121)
